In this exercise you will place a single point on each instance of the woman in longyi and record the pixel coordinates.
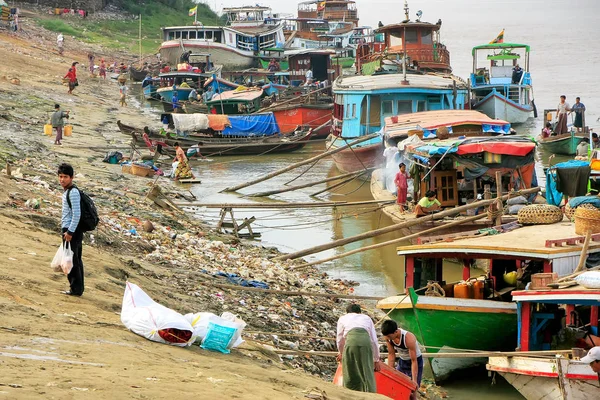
(183, 170)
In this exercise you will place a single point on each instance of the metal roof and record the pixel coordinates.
(389, 81)
(501, 46)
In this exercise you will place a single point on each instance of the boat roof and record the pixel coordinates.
(508, 145)
(389, 81)
(245, 8)
(184, 74)
(578, 295)
(500, 46)
(408, 24)
(293, 53)
(326, 2)
(429, 120)
(234, 95)
(526, 242)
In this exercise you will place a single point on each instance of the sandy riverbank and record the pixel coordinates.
(54, 346)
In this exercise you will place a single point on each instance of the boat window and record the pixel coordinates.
(192, 35)
(184, 34)
(218, 37)
(421, 105)
(353, 110)
(426, 37)
(404, 107)
(208, 34)
(201, 35)
(347, 110)
(171, 35)
(388, 107)
(177, 35)
(411, 36)
(395, 40)
(374, 116)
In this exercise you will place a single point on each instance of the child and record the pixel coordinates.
(401, 181)
(547, 131)
(102, 69)
(123, 91)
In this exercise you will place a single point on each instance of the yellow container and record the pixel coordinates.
(57, 11)
(48, 129)
(68, 130)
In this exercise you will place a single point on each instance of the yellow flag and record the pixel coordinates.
(193, 11)
(499, 38)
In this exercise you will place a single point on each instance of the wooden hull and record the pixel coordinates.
(450, 323)
(562, 144)
(290, 118)
(230, 58)
(223, 146)
(166, 93)
(538, 378)
(497, 106)
(364, 155)
(150, 92)
(393, 212)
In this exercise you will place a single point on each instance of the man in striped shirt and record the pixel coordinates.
(71, 214)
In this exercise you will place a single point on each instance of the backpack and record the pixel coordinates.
(89, 215)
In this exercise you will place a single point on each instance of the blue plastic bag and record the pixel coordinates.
(218, 338)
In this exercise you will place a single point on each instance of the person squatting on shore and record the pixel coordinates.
(358, 350)
(71, 231)
(57, 121)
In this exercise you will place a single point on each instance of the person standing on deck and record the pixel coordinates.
(579, 109)
(309, 77)
(410, 361)
(71, 232)
(401, 181)
(561, 116)
(57, 121)
(358, 350)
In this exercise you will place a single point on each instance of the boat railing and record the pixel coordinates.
(438, 55)
(340, 15)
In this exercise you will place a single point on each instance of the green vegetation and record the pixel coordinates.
(124, 34)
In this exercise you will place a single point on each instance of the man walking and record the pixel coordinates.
(71, 231)
(57, 121)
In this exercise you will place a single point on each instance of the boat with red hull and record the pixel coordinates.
(309, 115)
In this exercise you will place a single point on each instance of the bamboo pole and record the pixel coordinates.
(289, 292)
(299, 164)
(401, 239)
(498, 221)
(274, 106)
(309, 184)
(395, 227)
(284, 205)
(341, 183)
(584, 251)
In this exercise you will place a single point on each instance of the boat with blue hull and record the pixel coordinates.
(362, 103)
(501, 87)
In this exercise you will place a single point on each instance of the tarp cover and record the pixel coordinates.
(252, 125)
(508, 148)
(190, 122)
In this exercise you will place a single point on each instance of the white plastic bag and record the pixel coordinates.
(199, 322)
(144, 316)
(57, 260)
(589, 279)
(67, 259)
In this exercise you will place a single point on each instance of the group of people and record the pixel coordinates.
(562, 112)
(358, 350)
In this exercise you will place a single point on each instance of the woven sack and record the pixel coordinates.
(537, 214)
(587, 220)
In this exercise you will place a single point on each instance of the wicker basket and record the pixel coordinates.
(587, 220)
(126, 168)
(536, 214)
(141, 170)
(570, 212)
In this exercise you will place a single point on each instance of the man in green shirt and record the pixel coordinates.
(57, 121)
(428, 204)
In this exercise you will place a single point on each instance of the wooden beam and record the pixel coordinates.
(313, 204)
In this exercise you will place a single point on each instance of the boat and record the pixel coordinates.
(413, 45)
(550, 377)
(314, 116)
(249, 32)
(565, 144)
(495, 89)
(223, 144)
(236, 101)
(363, 102)
(487, 322)
(149, 87)
(138, 75)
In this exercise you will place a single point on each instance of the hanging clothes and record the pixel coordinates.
(573, 181)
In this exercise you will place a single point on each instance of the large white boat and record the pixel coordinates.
(249, 32)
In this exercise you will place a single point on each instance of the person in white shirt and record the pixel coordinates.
(60, 42)
(561, 116)
(309, 77)
(357, 350)
(405, 344)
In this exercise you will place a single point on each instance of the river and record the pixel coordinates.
(564, 60)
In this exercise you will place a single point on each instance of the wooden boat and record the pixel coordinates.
(362, 104)
(250, 32)
(216, 145)
(494, 89)
(289, 117)
(563, 144)
(138, 75)
(489, 322)
(549, 378)
(237, 102)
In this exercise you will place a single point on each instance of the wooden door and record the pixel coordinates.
(446, 187)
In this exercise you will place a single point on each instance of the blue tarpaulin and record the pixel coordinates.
(440, 150)
(252, 125)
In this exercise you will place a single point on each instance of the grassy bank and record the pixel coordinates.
(124, 34)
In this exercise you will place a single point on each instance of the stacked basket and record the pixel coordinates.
(587, 220)
(537, 214)
(570, 211)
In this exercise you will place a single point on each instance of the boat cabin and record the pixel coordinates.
(318, 61)
(246, 17)
(236, 102)
(362, 103)
(329, 10)
(494, 70)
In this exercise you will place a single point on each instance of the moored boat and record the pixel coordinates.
(468, 311)
(498, 88)
(363, 102)
(565, 144)
(549, 378)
